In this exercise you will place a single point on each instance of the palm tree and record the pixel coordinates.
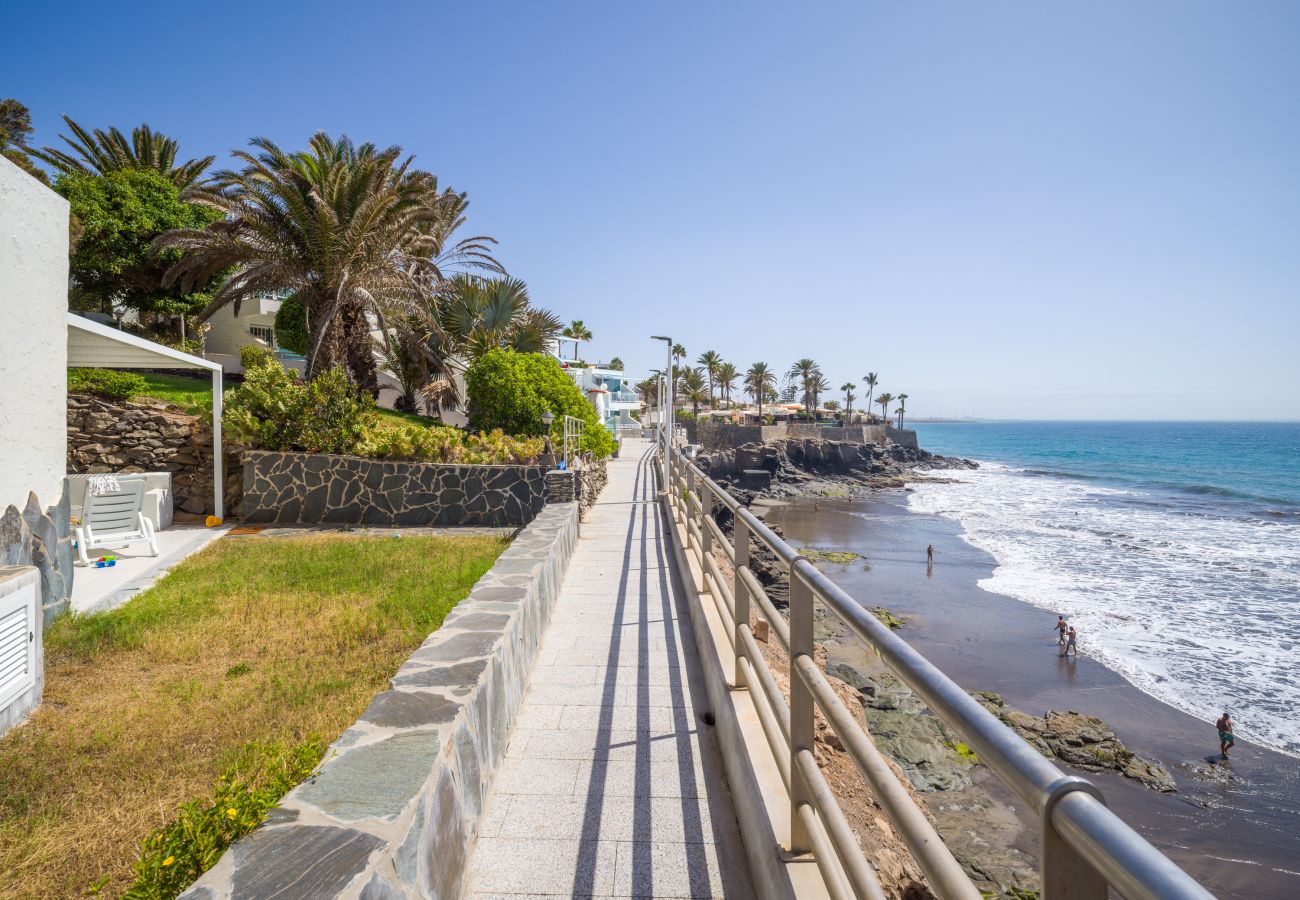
(847, 388)
(902, 408)
(884, 400)
(710, 360)
(99, 152)
(727, 375)
(577, 332)
(478, 314)
(355, 232)
(803, 372)
(616, 364)
(870, 381)
(833, 406)
(648, 389)
(820, 384)
(758, 381)
(694, 390)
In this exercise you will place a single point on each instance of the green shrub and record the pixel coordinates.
(275, 410)
(442, 443)
(174, 856)
(683, 415)
(510, 391)
(106, 383)
(291, 326)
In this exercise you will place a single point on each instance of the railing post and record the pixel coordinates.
(686, 507)
(1063, 870)
(740, 538)
(801, 705)
(706, 510)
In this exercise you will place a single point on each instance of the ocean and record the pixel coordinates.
(1174, 548)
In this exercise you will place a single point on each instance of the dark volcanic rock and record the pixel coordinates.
(793, 462)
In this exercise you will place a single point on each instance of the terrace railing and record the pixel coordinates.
(1085, 848)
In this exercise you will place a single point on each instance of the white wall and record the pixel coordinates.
(33, 339)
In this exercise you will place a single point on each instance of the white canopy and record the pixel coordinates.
(92, 345)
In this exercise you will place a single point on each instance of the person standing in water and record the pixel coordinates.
(1071, 635)
(1061, 628)
(1226, 738)
(929, 555)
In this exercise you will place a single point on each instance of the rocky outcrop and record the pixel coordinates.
(1083, 741)
(794, 463)
(150, 436)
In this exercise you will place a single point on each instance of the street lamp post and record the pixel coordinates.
(668, 418)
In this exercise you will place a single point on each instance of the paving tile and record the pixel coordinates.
(539, 715)
(660, 869)
(553, 777)
(609, 818)
(549, 866)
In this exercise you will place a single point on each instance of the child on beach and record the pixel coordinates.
(1069, 644)
(1226, 738)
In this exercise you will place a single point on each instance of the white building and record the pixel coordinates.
(609, 390)
(254, 326)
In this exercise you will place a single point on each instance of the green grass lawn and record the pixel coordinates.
(180, 390)
(253, 641)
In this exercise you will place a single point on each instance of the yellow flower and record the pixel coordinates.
(231, 812)
(169, 860)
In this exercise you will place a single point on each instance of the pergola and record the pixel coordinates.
(92, 345)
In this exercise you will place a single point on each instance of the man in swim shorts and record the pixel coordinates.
(1069, 643)
(1061, 628)
(1226, 739)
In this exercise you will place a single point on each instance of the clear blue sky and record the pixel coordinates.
(1007, 210)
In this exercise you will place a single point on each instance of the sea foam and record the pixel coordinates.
(1200, 610)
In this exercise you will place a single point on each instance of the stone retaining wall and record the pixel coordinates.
(394, 811)
(148, 436)
(316, 488)
(857, 434)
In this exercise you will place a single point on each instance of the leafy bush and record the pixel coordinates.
(174, 856)
(291, 326)
(683, 415)
(275, 410)
(510, 391)
(106, 383)
(441, 443)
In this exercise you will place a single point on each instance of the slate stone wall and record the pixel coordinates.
(394, 811)
(315, 489)
(148, 436)
(41, 538)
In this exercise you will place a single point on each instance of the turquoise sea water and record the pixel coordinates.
(1175, 548)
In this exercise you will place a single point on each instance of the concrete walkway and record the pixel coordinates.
(612, 784)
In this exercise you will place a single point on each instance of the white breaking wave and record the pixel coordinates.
(1202, 612)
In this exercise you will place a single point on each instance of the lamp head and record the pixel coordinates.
(547, 418)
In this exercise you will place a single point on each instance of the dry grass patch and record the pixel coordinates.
(252, 640)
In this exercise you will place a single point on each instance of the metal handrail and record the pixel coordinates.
(572, 438)
(1085, 846)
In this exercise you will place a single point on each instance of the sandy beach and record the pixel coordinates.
(1236, 828)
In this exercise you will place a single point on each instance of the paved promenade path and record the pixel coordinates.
(612, 784)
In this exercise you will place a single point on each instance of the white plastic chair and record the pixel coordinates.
(113, 521)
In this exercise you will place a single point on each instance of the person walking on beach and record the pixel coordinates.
(1226, 738)
(1069, 644)
(929, 555)
(1061, 628)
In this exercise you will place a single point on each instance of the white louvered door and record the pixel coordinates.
(17, 642)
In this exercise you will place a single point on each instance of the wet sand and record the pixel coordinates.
(1241, 840)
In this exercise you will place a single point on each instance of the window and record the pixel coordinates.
(263, 333)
